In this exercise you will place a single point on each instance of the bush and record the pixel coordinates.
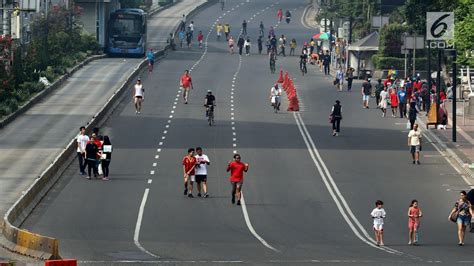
(382, 62)
(49, 74)
(4, 109)
(89, 43)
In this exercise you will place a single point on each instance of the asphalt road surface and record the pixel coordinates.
(308, 195)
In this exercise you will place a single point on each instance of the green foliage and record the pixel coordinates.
(464, 31)
(390, 40)
(131, 3)
(382, 62)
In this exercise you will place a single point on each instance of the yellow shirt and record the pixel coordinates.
(219, 28)
(226, 28)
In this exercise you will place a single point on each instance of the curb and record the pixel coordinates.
(27, 243)
(41, 95)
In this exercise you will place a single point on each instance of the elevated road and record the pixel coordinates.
(308, 195)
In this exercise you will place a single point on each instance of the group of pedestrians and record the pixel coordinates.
(461, 214)
(195, 170)
(93, 152)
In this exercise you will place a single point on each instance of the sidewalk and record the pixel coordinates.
(30, 143)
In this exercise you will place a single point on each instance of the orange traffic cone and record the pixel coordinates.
(280, 79)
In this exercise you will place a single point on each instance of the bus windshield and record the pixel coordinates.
(127, 26)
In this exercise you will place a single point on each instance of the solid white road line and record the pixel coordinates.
(136, 235)
(334, 191)
(249, 225)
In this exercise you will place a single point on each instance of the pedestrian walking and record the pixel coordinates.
(92, 153)
(191, 29)
(461, 214)
(384, 101)
(378, 89)
(200, 38)
(82, 140)
(280, 14)
(349, 78)
(339, 78)
(260, 44)
(282, 44)
(443, 116)
(240, 44)
(182, 37)
(272, 57)
(237, 169)
(336, 117)
(231, 43)
(378, 215)
(227, 31)
(414, 142)
(262, 29)
(189, 37)
(326, 63)
(402, 102)
(393, 102)
(292, 46)
(412, 113)
(219, 29)
(189, 165)
(244, 27)
(414, 216)
(106, 157)
(138, 96)
(185, 84)
(366, 92)
(202, 161)
(247, 45)
(311, 46)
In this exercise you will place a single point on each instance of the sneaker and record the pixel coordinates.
(105, 179)
(199, 195)
(190, 195)
(418, 162)
(88, 177)
(238, 202)
(185, 191)
(409, 243)
(414, 162)
(136, 112)
(383, 115)
(206, 195)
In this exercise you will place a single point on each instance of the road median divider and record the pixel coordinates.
(34, 245)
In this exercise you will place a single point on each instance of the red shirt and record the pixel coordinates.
(236, 171)
(189, 163)
(393, 99)
(442, 96)
(200, 37)
(417, 85)
(186, 81)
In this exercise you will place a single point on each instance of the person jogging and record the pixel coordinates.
(186, 83)
(414, 142)
(150, 57)
(138, 96)
(237, 169)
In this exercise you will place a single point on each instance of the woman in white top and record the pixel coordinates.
(138, 96)
(383, 101)
(247, 45)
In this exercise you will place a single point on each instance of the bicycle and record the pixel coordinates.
(303, 69)
(210, 114)
(276, 104)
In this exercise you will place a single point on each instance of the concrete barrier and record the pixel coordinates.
(34, 245)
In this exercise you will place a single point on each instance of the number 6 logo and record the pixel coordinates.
(440, 26)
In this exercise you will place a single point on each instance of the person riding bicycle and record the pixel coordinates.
(262, 28)
(275, 94)
(209, 102)
(150, 56)
(288, 16)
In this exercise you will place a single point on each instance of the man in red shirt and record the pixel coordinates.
(189, 164)
(237, 169)
(186, 83)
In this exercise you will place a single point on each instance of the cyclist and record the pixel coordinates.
(186, 83)
(275, 94)
(150, 56)
(209, 102)
(262, 28)
(303, 60)
(288, 16)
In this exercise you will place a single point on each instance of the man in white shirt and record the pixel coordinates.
(275, 96)
(82, 140)
(414, 142)
(202, 161)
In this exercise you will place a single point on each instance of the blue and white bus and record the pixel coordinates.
(127, 32)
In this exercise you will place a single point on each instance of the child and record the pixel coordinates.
(378, 214)
(200, 38)
(414, 214)
(393, 102)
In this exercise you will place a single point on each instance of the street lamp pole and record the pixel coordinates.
(454, 95)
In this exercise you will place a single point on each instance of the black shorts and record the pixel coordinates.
(201, 178)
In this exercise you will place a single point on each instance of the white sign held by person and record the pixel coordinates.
(439, 26)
